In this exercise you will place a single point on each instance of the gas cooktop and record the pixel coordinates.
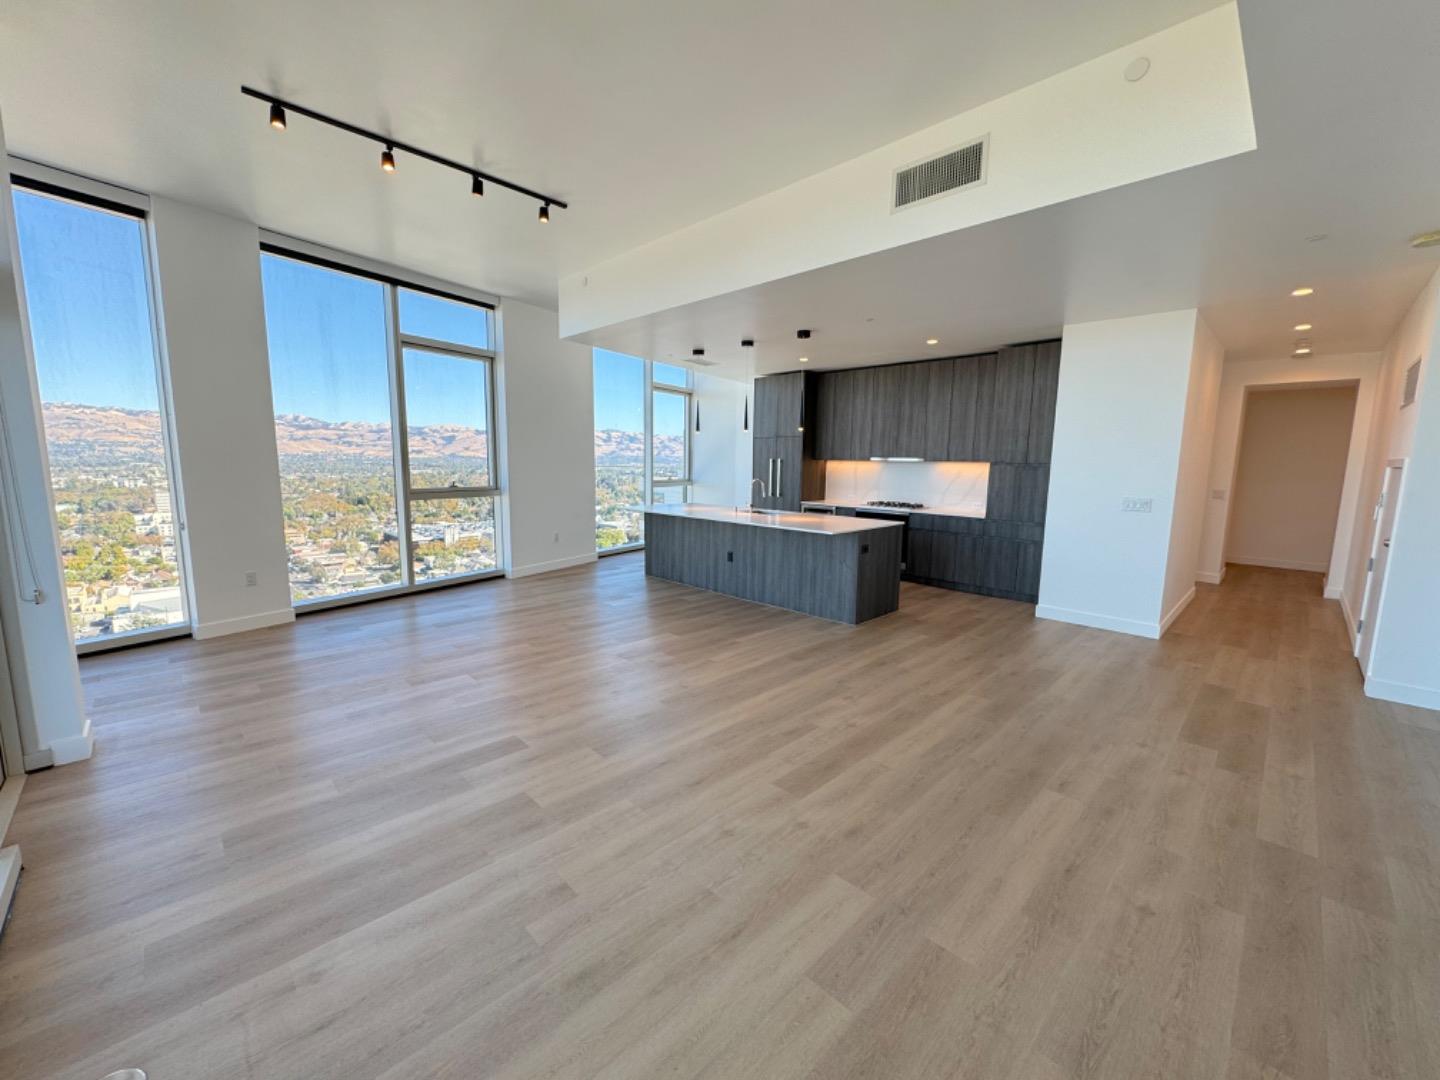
(893, 505)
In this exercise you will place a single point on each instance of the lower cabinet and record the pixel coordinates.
(972, 555)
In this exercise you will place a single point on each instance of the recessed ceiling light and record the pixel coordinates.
(1304, 290)
(804, 359)
(932, 341)
(1425, 239)
(1304, 351)
(1302, 327)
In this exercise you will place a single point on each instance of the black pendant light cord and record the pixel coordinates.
(393, 144)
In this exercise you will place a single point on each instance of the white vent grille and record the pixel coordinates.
(954, 170)
(1412, 384)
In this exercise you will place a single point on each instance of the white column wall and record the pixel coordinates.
(720, 450)
(212, 313)
(54, 729)
(547, 428)
(1119, 430)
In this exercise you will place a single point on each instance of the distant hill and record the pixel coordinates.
(95, 433)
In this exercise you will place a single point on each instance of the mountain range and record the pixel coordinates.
(102, 432)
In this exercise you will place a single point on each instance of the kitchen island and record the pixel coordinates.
(841, 568)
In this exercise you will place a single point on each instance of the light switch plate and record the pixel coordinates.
(1132, 505)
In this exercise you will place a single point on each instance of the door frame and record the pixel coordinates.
(1365, 637)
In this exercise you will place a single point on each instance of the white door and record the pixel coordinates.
(1379, 561)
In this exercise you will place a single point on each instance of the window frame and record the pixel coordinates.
(687, 395)
(396, 344)
(37, 179)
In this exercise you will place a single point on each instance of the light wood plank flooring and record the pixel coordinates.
(590, 825)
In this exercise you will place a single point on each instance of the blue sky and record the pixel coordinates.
(89, 314)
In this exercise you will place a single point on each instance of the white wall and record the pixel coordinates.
(547, 428)
(213, 316)
(1046, 145)
(1207, 359)
(1405, 663)
(53, 727)
(1286, 498)
(720, 451)
(1242, 376)
(1119, 426)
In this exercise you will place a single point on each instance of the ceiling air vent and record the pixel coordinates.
(953, 170)
(1412, 384)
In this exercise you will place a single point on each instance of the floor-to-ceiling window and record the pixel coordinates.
(670, 419)
(87, 293)
(384, 403)
(620, 449)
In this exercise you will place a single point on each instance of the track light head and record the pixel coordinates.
(545, 214)
(387, 159)
(477, 186)
(277, 117)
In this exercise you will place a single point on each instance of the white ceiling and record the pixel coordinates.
(649, 115)
(646, 114)
(1344, 96)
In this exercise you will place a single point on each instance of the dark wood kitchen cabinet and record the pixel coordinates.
(970, 379)
(779, 405)
(1043, 394)
(1002, 405)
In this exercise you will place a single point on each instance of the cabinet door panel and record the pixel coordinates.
(1027, 577)
(938, 388)
(789, 473)
(968, 376)
(762, 455)
(1042, 402)
(827, 420)
(999, 564)
(1003, 411)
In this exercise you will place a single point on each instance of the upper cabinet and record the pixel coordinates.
(1002, 405)
(997, 406)
(779, 405)
(1042, 402)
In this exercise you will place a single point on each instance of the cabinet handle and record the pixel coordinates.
(779, 477)
(770, 476)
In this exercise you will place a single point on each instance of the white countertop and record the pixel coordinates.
(769, 519)
(943, 511)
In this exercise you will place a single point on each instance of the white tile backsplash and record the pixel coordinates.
(950, 484)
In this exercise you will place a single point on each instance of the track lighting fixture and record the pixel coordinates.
(280, 109)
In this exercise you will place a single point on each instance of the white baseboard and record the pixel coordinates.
(1334, 592)
(9, 876)
(1279, 564)
(1210, 577)
(1403, 693)
(1349, 618)
(1098, 621)
(62, 751)
(9, 799)
(222, 627)
(1174, 612)
(73, 748)
(547, 567)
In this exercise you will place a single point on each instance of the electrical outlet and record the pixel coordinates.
(251, 579)
(1132, 505)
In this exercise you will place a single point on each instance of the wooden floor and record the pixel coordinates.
(590, 825)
